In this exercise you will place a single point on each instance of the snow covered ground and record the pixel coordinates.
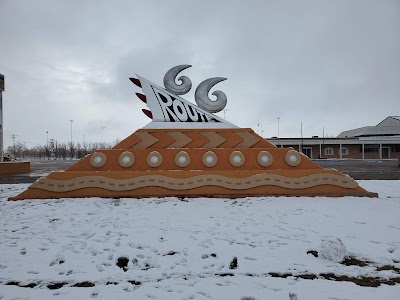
(186, 249)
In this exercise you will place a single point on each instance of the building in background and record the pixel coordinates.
(371, 142)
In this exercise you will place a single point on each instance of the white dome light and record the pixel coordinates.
(293, 158)
(209, 159)
(126, 159)
(237, 159)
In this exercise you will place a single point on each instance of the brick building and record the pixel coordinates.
(371, 142)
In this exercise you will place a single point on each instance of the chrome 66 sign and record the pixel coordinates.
(167, 109)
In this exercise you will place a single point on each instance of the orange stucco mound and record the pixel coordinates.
(211, 185)
(242, 164)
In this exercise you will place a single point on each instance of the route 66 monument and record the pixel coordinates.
(187, 151)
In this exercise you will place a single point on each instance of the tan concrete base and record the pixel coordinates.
(14, 167)
(228, 184)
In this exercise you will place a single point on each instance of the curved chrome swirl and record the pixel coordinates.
(170, 84)
(202, 99)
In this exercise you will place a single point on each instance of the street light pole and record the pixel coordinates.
(1, 125)
(72, 121)
(1, 115)
(260, 129)
(225, 110)
(278, 126)
(102, 129)
(47, 139)
(301, 134)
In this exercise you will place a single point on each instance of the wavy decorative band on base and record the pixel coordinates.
(171, 183)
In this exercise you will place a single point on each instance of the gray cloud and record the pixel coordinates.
(324, 63)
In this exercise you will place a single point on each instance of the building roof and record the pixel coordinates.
(374, 140)
(390, 121)
(371, 131)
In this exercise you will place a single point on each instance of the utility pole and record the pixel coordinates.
(14, 137)
(102, 129)
(260, 130)
(1, 116)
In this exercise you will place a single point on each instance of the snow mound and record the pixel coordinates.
(333, 250)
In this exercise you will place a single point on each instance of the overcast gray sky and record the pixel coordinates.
(323, 63)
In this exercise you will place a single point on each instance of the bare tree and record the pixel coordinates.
(47, 152)
(85, 149)
(39, 152)
(10, 152)
(93, 147)
(63, 150)
(19, 150)
(57, 150)
(72, 149)
(80, 150)
(32, 153)
(116, 142)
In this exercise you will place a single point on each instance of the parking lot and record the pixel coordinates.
(387, 169)
(39, 168)
(375, 169)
